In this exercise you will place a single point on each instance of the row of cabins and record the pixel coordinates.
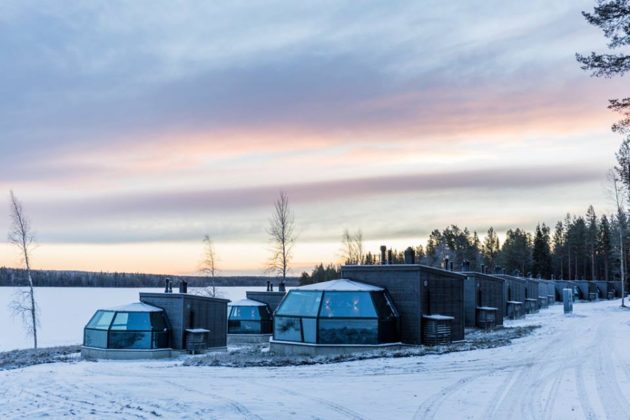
(372, 306)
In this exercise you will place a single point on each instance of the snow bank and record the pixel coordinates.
(259, 356)
(17, 359)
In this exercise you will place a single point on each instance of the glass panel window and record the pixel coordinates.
(129, 340)
(132, 321)
(264, 312)
(388, 331)
(287, 329)
(243, 327)
(245, 312)
(309, 328)
(304, 303)
(95, 338)
(383, 306)
(160, 340)
(348, 331)
(347, 305)
(101, 320)
(158, 321)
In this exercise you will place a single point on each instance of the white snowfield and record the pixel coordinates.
(573, 367)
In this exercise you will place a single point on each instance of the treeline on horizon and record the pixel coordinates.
(584, 247)
(16, 277)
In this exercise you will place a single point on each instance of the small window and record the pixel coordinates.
(348, 331)
(347, 305)
(243, 327)
(249, 313)
(101, 320)
(301, 303)
(309, 328)
(384, 308)
(158, 322)
(132, 321)
(287, 329)
(130, 340)
(94, 338)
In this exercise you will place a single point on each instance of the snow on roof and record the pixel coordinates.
(247, 302)
(341, 285)
(135, 307)
(438, 317)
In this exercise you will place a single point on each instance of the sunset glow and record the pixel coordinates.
(390, 118)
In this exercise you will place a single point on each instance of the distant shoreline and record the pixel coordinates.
(13, 277)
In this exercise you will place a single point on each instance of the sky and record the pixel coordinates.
(129, 130)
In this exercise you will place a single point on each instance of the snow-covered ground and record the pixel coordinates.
(573, 367)
(64, 311)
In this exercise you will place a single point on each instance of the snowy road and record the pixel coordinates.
(573, 367)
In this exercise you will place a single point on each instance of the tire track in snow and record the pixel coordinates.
(236, 406)
(428, 409)
(611, 395)
(587, 409)
(339, 409)
(544, 389)
(524, 378)
(504, 387)
(547, 409)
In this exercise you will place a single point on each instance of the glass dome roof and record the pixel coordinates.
(133, 326)
(337, 312)
(248, 316)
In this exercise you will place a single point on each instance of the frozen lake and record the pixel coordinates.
(64, 311)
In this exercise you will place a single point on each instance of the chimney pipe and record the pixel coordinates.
(383, 257)
(390, 257)
(451, 265)
(483, 269)
(282, 287)
(410, 256)
(183, 286)
(167, 285)
(446, 263)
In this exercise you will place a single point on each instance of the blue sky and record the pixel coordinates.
(131, 129)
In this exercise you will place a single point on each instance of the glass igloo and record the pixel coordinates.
(248, 316)
(134, 326)
(337, 312)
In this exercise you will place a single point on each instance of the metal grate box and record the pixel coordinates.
(531, 306)
(437, 330)
(196, 340)
(514, 309)
(486, 317)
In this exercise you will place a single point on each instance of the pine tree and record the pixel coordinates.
(604, 246)
(436, 249)
(541, 253)
(591, 240)
(491, 249)
(612, 16)
(516, 252)
(558, 250)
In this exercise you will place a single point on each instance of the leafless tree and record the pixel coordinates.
(352, 247)
(282, 235)
(618, 195)
(209, 265)
(21, 236)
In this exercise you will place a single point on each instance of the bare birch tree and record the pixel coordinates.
(209, 265)
(282, 235)
(352, 247)
(22, 237)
